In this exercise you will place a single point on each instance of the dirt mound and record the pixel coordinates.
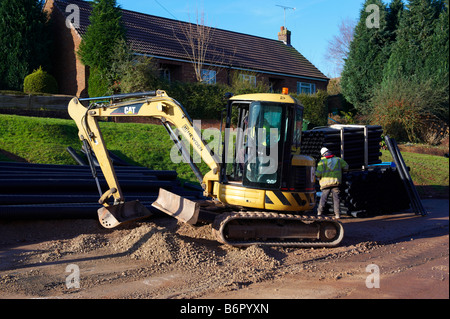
(161, 258)
(160, 246)
(163, 247)
(254, 258)
(86, 243)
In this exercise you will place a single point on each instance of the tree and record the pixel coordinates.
(413, 44)
(363, 68)
(437, 61)
(197, 41)
(24, 41)
(102, 36)
(437, 64)
(393, 18)
(420, 55)
(339, 47)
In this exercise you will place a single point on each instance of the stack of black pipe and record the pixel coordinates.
(366, 190)
(376, 191)
(44, 191)
(353, 143)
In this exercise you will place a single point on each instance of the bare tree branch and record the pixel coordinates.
(196, 43)
(339, 47)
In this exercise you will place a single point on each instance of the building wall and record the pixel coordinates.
(71, 74)
(184, 72)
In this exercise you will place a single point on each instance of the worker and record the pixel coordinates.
(329, 171)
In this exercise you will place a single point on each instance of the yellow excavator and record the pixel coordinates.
(257, 190)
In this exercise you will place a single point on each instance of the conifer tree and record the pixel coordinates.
(414, 39)
(24, 41)
(104, 31)
(97, 47)
(437, 64)
(437, 61)
(393, 17)
(364, 66)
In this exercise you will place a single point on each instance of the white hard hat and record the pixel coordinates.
(324, 150)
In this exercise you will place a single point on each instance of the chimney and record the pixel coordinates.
(285, 36)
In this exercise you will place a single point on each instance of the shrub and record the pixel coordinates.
(202, 101)
(40, 82)
(139, 76)
(399, 118)
(434, 131)
(316, 108)
(241, 85)
(99, 84)
(404, 105)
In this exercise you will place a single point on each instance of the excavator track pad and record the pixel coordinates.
(248, 228)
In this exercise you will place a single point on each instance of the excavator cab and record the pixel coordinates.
(267, 136)
(266, 158)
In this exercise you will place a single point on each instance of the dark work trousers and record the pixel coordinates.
(336, 201)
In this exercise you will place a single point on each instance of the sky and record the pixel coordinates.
(313, 23)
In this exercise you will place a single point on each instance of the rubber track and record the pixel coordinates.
(221, 221)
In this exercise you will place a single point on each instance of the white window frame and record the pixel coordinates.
(165, 74)
(248, 78)
(305, 87)
(209, 76)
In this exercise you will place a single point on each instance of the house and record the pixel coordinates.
(272, 61)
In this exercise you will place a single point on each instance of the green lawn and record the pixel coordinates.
(429, 172)
(44, 140)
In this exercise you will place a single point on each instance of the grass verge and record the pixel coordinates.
(430, 173)
(44, 140)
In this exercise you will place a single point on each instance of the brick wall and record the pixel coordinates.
(184, 71)
(68, 70)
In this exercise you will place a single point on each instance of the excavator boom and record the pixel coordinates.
(154, 104)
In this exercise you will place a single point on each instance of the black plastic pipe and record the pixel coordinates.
(11, 186)
(418, 203)
(75, 156)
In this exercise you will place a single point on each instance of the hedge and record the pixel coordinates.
(203, 101)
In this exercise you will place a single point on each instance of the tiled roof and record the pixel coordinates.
(164, 37)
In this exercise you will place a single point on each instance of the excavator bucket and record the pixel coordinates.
(115, 215)
(181, 208)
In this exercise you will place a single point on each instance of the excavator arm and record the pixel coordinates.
(155, 104)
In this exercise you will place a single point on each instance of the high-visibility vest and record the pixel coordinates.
(329, 171)
(266, 133)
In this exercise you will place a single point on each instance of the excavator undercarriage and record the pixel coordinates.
(277, 229)
(240, 227)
